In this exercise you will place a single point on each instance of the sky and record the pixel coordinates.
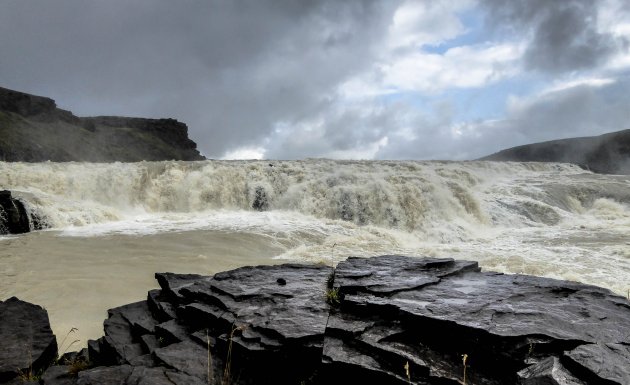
(352, 79)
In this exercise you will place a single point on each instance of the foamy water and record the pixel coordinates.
(114, 225)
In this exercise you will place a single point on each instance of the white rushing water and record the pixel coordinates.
(113, 225)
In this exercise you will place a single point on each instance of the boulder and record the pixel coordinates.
(27, 344)
(14, 218)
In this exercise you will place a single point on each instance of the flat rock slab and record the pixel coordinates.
(275, 303)
(399, 320)
(27, 343)
(436, 311)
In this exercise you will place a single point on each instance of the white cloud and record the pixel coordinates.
(417, 23)
(459, 67)
(566, 84)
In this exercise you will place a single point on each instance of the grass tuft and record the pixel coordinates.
(227, 372)
(210, 375)
(332, 296)
(464, 359)
(29, 374)
(61, 346)
(76, 366)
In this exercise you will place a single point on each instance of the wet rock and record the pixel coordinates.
(161, 376)
(138, 316)
(149, 342)
(261, 202)
(185, 357)
(450, 309)
(171, 332)
(172, 283)
(119, 345)
(601, 363)
(398, 320)
(27, 344)
(71, 357)
(58, 375)
(14, 218)
(159, 306)
(114, 375)
(547, 372)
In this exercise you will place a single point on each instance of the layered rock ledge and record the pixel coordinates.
(33, 129)
(386, 320)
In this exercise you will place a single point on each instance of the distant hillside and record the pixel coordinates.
(606, 154)
(33, 129)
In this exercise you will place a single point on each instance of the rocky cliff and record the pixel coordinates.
(606, 154)
(33, 129)
(382, 320)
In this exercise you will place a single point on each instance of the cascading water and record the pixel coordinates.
(111, 226)
(410, 196)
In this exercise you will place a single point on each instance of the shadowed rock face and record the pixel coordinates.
(606, 154)
(33, 129)
(399, 320)
(27, 344)
(14, 217)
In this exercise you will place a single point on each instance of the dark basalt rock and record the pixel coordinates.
(25, 104)
(33, 129)
(14, 218)
(27, 344)
(261, 202)
(399, 320)
(606, 154)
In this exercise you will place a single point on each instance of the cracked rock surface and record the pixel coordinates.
(394, 320)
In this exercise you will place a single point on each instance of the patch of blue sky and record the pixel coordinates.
(491, 101)
(471, 104)
(473, 21)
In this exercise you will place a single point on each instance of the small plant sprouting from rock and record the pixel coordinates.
(332, 256)
(227, 373)
(464, 360)
(29, 375)
(332, 296)
(210, 376)
(76, 366)
(332, 293)
(61, 346)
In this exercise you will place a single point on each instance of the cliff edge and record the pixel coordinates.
(33, 129)
(605, 154)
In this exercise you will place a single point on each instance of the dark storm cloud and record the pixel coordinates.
(265, 74)
(230, 69)
(349, 131)
(564, 33)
